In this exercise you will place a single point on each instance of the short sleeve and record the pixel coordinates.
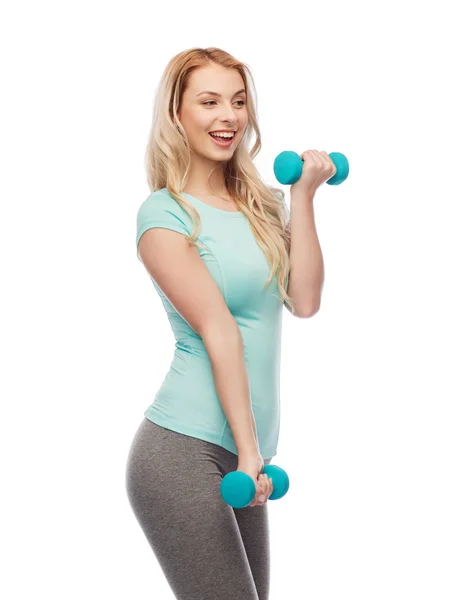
(160, 210)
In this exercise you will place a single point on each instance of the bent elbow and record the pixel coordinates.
(308, 312)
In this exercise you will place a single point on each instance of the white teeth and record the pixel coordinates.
(222, 134)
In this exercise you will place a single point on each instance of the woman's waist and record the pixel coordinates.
(193, 365)
(191, 376)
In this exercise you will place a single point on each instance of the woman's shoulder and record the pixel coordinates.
(161, 200)
(161, 196)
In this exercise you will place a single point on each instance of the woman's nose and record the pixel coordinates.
(229, 116)
(229, 120)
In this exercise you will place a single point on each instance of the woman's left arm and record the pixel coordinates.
(307, 271)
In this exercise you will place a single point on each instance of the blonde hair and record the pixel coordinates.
(167, 161)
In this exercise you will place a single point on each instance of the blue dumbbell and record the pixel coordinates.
(238, 488)
(288, 167)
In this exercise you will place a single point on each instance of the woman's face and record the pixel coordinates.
(200, 113)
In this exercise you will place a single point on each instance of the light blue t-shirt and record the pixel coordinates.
(187, 401)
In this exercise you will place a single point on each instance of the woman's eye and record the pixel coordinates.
(211, 101)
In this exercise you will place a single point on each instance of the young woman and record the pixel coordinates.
(215, 241)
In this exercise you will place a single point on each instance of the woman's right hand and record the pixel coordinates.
(252, 465)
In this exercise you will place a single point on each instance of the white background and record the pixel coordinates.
(370, 391)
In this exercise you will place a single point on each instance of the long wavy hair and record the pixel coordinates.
(168, 160)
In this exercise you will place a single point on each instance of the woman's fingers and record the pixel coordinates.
(264, 489)
(259, 491)
(269, 487)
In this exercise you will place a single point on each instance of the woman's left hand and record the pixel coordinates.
(264, 489)
(317, 168)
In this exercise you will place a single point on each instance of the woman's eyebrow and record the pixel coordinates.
(219, 95)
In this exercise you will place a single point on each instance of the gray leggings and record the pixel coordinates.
(206, 549)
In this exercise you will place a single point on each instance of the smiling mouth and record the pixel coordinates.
(222, 141)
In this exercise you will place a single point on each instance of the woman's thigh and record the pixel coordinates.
(205, 548)
(253, 525)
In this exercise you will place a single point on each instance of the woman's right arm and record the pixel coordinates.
(181, 274)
